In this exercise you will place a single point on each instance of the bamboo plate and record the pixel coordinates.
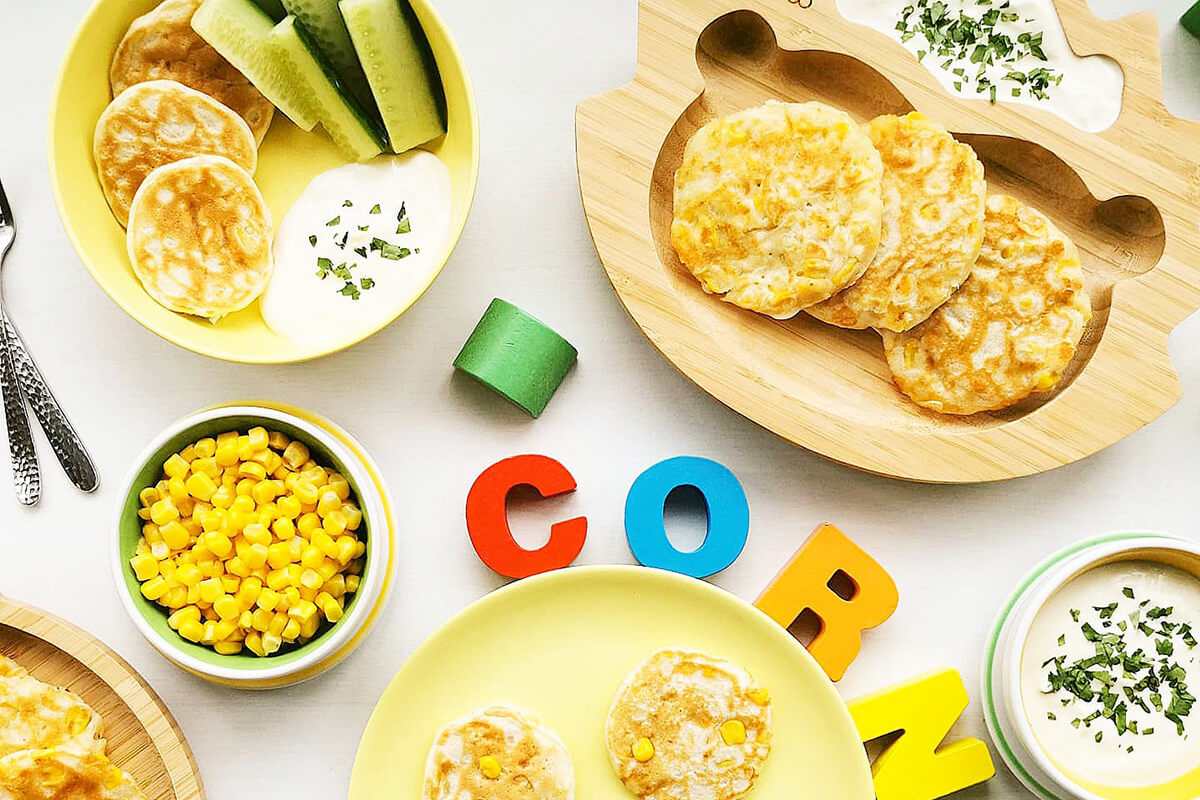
(1128, 197)
(143, 737)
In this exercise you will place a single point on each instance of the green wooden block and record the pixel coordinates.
(1191, 20)
(517, 356)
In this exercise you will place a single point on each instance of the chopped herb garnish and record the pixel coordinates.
(364, 227)
(347, 204)
(312, 240)
(375, 209)
(350, 290)
(366, 283)
(405, 226)
(333, 221)
(1118, 677)
(388, 250)
(972, 37)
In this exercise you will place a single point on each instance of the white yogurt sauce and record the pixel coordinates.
(1156, 758)
(300, 306)
(1089, 96)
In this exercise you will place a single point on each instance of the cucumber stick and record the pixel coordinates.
(346, 122)
(238, 30)
(322, 20)
(274, 8)
(400, 69)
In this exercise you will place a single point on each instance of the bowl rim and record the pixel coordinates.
(1003, 652)
(430, 18)
(332, 641)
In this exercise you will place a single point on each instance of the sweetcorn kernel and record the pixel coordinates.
(295, 455)
(163, 511)
(258, 438)
(144, 566)
(490, 767)
(643, 750)
(192, 630)
(733, 731)
(176, 466)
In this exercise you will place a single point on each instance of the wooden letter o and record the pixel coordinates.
(724, 499)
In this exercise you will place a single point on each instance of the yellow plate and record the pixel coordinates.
(560, 644)
(288, 159)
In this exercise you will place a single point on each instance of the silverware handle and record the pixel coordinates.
(65, 442)
(27, 478)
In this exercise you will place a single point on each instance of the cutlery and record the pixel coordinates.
(22, 373)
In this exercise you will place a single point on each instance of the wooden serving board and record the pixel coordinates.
(143, 737)
(1129, 197)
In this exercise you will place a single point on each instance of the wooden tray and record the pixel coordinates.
(143, 737)
(829, 389)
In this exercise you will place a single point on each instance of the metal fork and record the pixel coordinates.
(21, 381)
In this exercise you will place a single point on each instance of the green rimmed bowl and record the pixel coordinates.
(330, 446)
(1003, 706)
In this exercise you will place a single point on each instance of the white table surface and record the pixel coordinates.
(954, 551)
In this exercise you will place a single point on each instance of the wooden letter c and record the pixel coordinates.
(487, 517)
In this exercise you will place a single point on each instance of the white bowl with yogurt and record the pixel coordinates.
(1086, 670)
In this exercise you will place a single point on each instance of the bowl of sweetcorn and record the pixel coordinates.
(253, 544)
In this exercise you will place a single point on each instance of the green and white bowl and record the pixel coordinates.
(1003, 706)
(330, 446)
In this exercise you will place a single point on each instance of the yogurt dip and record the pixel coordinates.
(1104, 676)
(1086, 92)
(360, 244)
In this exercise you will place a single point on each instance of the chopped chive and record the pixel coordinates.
(974, 36)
